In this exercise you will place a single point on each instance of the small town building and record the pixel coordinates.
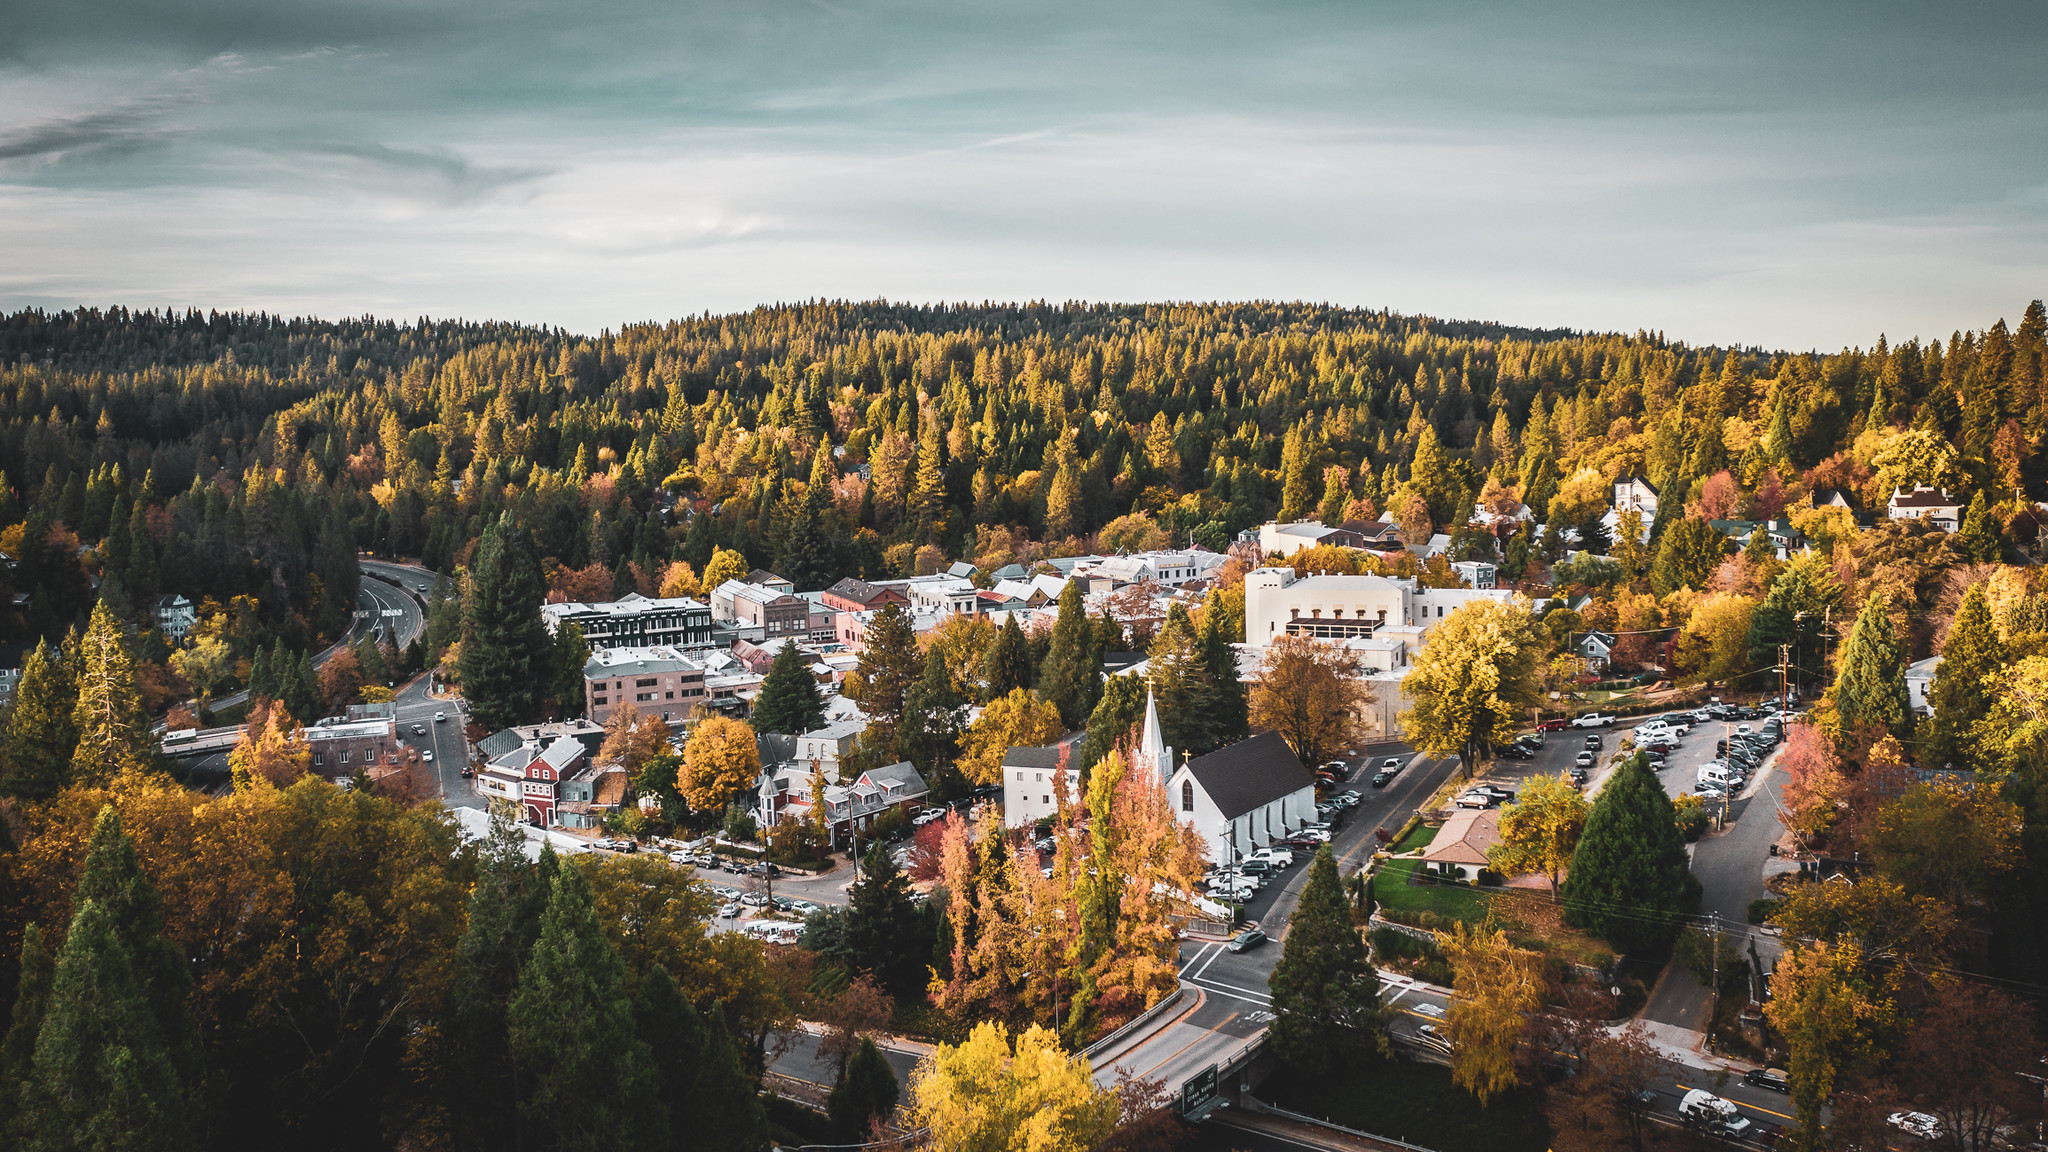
(1459, 850)
(784, 793)
(1031, 780)
(1635, 494)
(1243, 796)
(659, 681)
(635, 621)
(774, 611)
(175, 616)
(1931, 503)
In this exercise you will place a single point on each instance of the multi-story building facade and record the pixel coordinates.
(636, 621)
(658, 681)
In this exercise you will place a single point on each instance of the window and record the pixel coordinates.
(1045, 799)
(344, 757)
(643, 683)
(1187, 795)
(600, 700)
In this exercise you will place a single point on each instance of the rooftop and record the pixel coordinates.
(640, 661)
(1250, 774)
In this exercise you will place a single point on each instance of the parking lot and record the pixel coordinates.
(1679, 772)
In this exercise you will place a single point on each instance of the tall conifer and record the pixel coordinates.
(1326, 996)
(505, 647)
(113, 734)
(1629, 877)
(1870, 687)
(789, 702)
(1960, 695)
(42, 727)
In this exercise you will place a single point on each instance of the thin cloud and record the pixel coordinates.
(127, 123)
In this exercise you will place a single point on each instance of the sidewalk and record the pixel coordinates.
(1684, 1046)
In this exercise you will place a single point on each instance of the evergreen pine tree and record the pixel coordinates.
(1007, 667)
(505, 907)
(1070, 676)
(889, 664)
(1870, 686)
(262, 685)
(1629, 877)
(867, 1091)
(1230, 721)
(18, 1050)
(789, 702)
(504, 644)
(882, 926)
(115, 1059)
(113, 734)
(1960, 694)
(1326, 996)
(675, 1039)
(1180, 680)
(1980, 537)
(1687, 556)
(1119, 711)
(571, 1024)
(301, 693)
(932, 712)
(724, 1106)
(42, 727)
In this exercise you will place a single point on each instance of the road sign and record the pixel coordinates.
(1199, 1092)
(393, 612)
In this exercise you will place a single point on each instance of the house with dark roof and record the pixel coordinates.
(1635, 494)
(1243, 796)
(1595, 648)
(1933, 503)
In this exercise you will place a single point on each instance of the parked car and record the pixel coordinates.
(1512, 752)
(1475, 800)
(1594, 720)
(1247, 940)
(754, 900)
(1339, 769)
(1275, 858)
(1594, 742)
(1917, 1124)
(1348, 797)
(1532, 739)
(681, 857)
(805, 907)
(1256, 867)
(1499, 793)
(1390, 764)
(1586, 760)
(1577, 776)
(729, 910)
(726, 891)
(1773, 1078)
(1557, 725)
(927, 816)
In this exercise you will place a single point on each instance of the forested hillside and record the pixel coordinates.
(247, 453)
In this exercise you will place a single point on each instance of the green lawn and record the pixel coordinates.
(1392, 890)
(1419, 1104)
(1419, 838)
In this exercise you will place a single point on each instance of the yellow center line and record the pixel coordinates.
(1190, 1044)
(1741, 1104)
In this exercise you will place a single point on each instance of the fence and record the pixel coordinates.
(1299, 1118)
(1145, 1017)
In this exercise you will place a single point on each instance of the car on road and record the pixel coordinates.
(1712, 1113)
(468, 772)
(419, 729)
(428, 756)
(763, 870)
(1577, 776)
(1916, 1124)
(440, 716)
(1773, 1078)
(625, 846)
(1246, 940)
(1382, 778)
(1433, 1036)
(1594, 742)
(1390, 764)
(1586, 760)
(729, 910)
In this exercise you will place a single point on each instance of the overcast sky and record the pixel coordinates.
(1788, 175)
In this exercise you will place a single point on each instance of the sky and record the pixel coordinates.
(1802, 175)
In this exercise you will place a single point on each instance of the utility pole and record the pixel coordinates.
(1783, 651)
(1717, 962)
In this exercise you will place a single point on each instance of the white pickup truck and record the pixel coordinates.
(1708, 1111)
(1594, 720)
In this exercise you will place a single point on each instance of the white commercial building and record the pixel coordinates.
(1279, 603)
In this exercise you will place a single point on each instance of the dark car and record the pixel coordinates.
(1382, 778)
(1518, 752)
(1247, 940)
(764, 870)
(1772, 1078)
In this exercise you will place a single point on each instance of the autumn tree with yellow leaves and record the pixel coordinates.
(993, 1094)
(1497, 992)
(1540, 830)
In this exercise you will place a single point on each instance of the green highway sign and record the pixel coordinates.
(1198, 1092)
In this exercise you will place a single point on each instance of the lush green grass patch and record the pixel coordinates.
(1396, 895)
(1417, 1103)
(1418, 837)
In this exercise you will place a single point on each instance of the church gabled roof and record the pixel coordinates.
(1250, 774)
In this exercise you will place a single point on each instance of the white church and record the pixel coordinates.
(1240, 797)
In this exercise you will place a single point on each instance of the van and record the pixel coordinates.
(1713, 775)
(1712, 1113)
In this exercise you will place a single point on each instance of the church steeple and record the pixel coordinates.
(1152, 747)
